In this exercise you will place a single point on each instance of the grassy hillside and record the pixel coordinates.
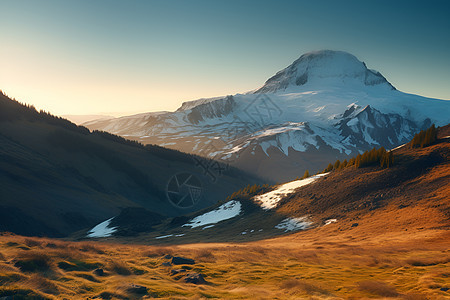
(419, 177)
(415, 187)
(57, 177)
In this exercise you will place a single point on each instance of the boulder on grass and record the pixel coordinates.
(177, 260)
(99, 272)
(137, 289)
(195, 278)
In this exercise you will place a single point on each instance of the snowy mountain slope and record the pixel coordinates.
(322, 67)
(326, 105)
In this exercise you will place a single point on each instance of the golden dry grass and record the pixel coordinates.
(298, 266)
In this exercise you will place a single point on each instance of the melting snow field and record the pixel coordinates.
(291, 224)
(224, 212)
(102, 230)
(270, 200)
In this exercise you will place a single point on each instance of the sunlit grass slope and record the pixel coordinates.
(340, 266)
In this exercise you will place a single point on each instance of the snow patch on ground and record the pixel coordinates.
(247, 231)
(270, 200)
(102, 230)
(224, 212)
(329, 221)
(397, 147)
(206, 227)
(163, 236)
(292, 224)
(169, 235)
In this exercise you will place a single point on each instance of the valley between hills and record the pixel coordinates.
(389, 239)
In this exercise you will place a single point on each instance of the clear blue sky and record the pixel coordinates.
(122, 57)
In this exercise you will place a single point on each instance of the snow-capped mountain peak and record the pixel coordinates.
(325, 67)
(325, 105)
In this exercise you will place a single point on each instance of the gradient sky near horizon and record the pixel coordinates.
(123, 57)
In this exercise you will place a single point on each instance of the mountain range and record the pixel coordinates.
(326, 105)
(414, 191)
(59, 178)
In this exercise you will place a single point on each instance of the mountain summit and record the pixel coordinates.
(325, 67)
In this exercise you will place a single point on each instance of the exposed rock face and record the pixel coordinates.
(137, 289)
(370, 127)
(211, 110)
(177, 260)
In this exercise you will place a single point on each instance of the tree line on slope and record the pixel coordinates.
(250, 190)
(369, 158)
(424, 138)
(372, 157)
(13, 110)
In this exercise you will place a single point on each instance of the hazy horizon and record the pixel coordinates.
(119, 58)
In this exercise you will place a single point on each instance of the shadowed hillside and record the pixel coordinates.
(57, 177)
